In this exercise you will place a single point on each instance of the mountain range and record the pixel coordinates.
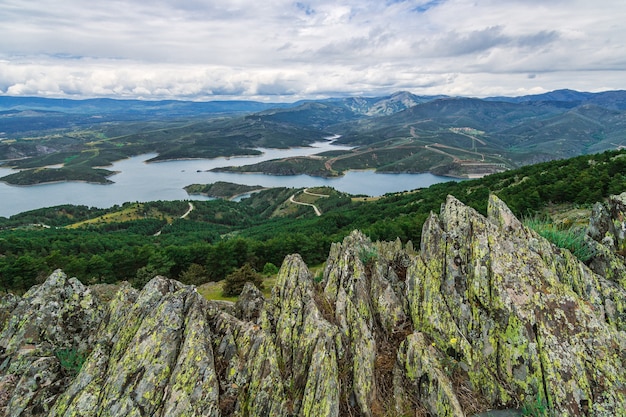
(403, 132)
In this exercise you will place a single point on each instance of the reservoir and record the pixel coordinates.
(137, 180)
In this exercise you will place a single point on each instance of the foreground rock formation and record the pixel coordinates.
(485, 315)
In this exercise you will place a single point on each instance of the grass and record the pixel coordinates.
(368, 255)
(564, 236)
(536, 408)
(71, 359)
(213, 290)
(134, 212)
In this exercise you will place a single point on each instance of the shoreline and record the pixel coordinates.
(232, 197)
(109, 182)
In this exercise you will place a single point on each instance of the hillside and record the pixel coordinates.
(461, 137)
(454, 136)
(134, 242)
(484, 315)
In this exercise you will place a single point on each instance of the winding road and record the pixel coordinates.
(189, 210)
(191, 207)
(306, 191)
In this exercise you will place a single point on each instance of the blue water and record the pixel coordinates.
(141, 181)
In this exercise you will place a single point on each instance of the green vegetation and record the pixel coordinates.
(41, 175)
(236, 280)
(270, 269)
(562, 236)
(219, 236)
(221, 189)
(289, 166)
(71, 359)
(368, 255)
(536, 408)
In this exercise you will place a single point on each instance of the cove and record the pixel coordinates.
(139, 181)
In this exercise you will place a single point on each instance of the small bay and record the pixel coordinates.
(137, 180)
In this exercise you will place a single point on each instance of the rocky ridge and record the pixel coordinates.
(485, 315)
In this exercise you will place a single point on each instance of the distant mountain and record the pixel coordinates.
(324, 113)
(401, 132)
(318, 115)
(138, 107)
(615, 100)
(380, 106)
(522, 132)
(434, 118)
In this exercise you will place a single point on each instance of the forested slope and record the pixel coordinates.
(221, 235)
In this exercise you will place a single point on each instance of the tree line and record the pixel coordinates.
(219, 236)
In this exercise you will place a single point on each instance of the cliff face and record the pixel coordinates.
(486, 314)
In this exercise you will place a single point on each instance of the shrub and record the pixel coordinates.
(536, 408)
(71, 359)
(235, 281)
(196, 274)
(270, 269)
(368, 255)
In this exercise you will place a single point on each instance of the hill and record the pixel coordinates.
(223, 235)
(614, 100)
(455, 136)
(460, 137)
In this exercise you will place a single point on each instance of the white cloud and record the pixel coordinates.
(284, 50)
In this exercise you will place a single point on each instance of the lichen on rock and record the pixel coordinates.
(485, 315)
(511, 305)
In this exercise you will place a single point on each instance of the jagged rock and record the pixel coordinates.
(154, 358)
(61, 312)
(606, 233)
(523, 317)
(308, 343)
(247, 364)
(250, 303)
(486, 315)
(60, 315)
(617, 207)
(601, 225)
(420, 364)
(362, 280)
(7, 304)
(223, 305)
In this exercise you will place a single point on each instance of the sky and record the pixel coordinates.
(283, 50)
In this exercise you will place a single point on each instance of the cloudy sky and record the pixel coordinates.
(284, 50)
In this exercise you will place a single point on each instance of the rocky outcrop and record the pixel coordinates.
(485, 315)
(519, 317)
(607, 238)
(42, 331)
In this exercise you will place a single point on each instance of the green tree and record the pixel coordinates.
(194, 275)
(236, 280)
(270, 269)
(27, 271)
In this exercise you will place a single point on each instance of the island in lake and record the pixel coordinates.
(222, 189)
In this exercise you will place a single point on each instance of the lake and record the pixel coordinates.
(141, 181)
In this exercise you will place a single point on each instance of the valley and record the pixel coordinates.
(402, 133)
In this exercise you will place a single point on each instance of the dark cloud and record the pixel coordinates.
(455, 43)
(542, 38)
